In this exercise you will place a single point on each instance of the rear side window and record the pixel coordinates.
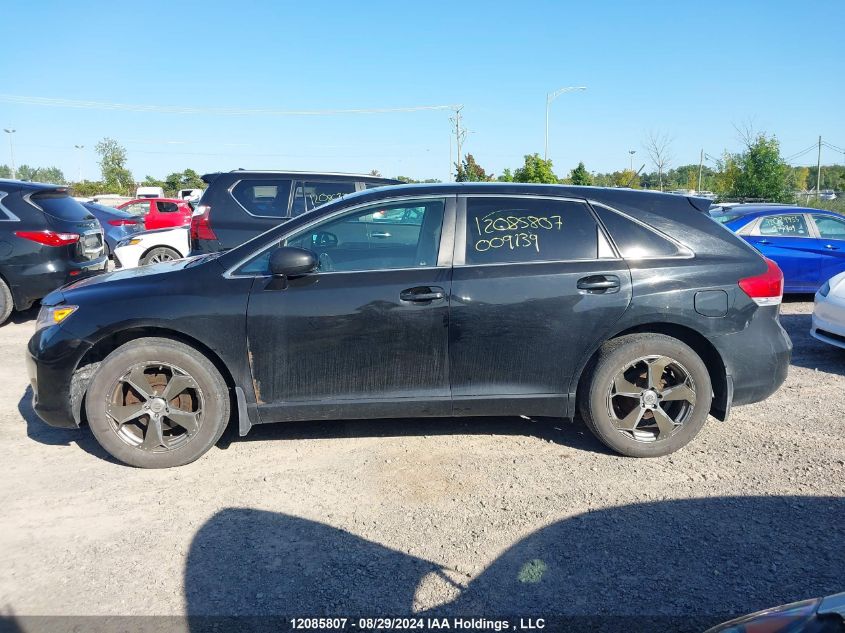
(137, 208)
(268, 198)
(501, 230)
(167, 207)
(792, 225)
(310, 195)
(61, 206)
(634, 240)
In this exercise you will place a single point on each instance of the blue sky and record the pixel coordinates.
(689, 70)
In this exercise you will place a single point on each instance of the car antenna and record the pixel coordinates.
(631, 180)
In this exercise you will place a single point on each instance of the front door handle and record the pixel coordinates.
(381, 235)
(831, 247)
(422, 294)
(599, 284)
(763, 242)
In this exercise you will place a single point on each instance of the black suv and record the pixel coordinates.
(46, 240)
(635, 308)
(239, 205)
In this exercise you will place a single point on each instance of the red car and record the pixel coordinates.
(160, 213)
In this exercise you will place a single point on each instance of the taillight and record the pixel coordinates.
(49, 238)
(123, 222)
(200, 228)
(765, 289)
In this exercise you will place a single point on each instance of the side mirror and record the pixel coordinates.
(289, 261)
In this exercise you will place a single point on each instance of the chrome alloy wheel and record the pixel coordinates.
(155, 407)
(651, 398)
(164, 256)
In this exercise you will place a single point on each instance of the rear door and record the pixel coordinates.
(786, 239)
(831, 245)
(534, 286)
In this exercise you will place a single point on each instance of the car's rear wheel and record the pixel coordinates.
(160, 254)
(157, 403)
(7, 304)
(647, 395)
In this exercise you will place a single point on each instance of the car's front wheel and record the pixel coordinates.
(647, 395)
(157, 403)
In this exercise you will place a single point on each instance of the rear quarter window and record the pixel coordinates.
(634, 240)
(61, 206)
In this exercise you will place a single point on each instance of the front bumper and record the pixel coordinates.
(757, 358)
(829, 321)
(52, 356)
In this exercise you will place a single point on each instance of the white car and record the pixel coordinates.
(152, 247)
(829, 312)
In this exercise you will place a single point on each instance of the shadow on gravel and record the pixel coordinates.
(809, 352)
(696, 561)
(560, 431)
(52, 436)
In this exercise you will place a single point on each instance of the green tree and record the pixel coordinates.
(762, 173)
(5, 171)
(580, 176)
(506, 176)
(800, 176)
(471, 171)
(150, 181)
(25, 172)
(116, 176)
(187, 179)
(409, 180)
(88, 188)
(626, 178)
(536, 170)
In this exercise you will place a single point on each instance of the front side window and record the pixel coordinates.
(792, 225)
(830, 228)
(268, 198)
(137, 208)
(310, 195)
(501, 230)
(380, 237)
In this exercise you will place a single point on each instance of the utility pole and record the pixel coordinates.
(819, 171)
(551, 97)
(79, 162)
(460, 135)
(10, 131)
(700, 169)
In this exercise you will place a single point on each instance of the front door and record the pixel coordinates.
(535, 285)
(831, 245)
(369, 328)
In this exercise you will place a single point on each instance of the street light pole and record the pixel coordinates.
(79, 162)
(632, 152)
(551, 97)
(10, 131)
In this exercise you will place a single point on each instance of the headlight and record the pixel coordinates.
(825, 289)
(129, 241)
(53, 315)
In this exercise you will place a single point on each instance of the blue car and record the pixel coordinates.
(807, 244)
(116, 224)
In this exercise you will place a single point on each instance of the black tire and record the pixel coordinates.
(211, 393)
(159, 254)
(7, 304)
(595, 401)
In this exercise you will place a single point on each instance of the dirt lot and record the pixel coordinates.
(484, 517)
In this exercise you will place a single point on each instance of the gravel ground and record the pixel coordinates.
(483, 517)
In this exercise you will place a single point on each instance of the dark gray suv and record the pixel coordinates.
(240, 204)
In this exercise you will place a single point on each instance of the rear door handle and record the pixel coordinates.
(380, 235)
(599, 284)
(831, 247)
(763, 242)
(422, 294)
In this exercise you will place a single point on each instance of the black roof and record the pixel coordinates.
(208, 178)
(9, 184)
(608, 195)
